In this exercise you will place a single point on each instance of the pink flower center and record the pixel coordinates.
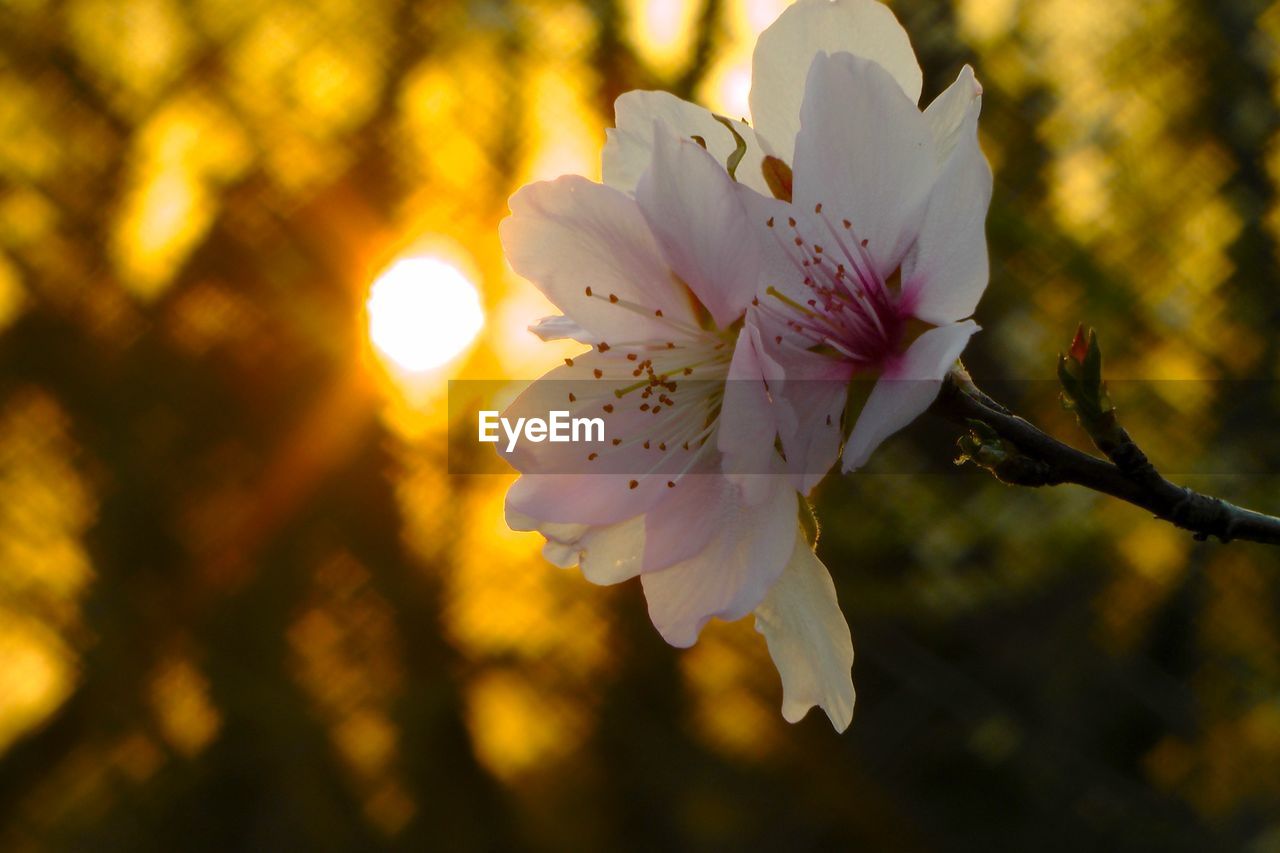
(844, 306)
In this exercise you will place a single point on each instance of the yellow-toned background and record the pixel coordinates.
(244, 606)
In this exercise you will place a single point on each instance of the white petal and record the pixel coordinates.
(815, 390)
(684, 522)
(730, 577)
(609, 555)
(906, 389)
(695, 213)
(864, 152)
(558, 328)
(580, 482)
(950, 109)
(560, 555)
(809, 640)
(946, 272)
(628, 148)
(570, 234)
(785, 50)
(750, 418)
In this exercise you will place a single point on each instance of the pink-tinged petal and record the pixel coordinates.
(950, 110)
(559, 328)
(866, 154)
(906, 389)
(809, 640)
(595, 500)
(562, 533)
(628, 148)
(779, 268)
(693, 209)
(730, 577)
(785, 50)
(596, 482)
(946, 272)
(815, 390)
(684, 522)
(570, 235)
(750, 418)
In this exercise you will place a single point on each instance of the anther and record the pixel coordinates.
(632, 484)
(598, 373)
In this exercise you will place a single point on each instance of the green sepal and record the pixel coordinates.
(739, 151)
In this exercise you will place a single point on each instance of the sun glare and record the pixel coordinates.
(423, 312)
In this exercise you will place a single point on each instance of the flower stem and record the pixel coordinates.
(1017, 452)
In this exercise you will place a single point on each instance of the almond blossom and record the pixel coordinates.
(836, 128)
(657, 282)
(878, 260)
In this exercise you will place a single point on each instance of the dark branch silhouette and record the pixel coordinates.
(1019, 453)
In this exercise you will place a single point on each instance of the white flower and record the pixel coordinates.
(881, 259)
(878, 258)
(657, 282)
(808, 637)
(904, 193)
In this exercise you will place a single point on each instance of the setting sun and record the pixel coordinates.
(423, 312)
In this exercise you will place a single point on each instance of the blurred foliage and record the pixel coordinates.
(242, 605)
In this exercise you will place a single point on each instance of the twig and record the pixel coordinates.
(1019, 453)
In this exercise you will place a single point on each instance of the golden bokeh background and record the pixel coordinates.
(245, 605)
